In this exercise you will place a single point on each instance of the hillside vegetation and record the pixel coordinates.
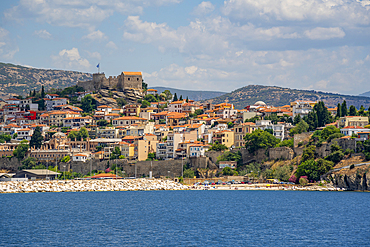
(19, 80)
(279, 96)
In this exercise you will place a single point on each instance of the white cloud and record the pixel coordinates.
(203, 8)
(321, 33)
(8, 47)
(94, 55)
(43, 34)
(95, 36)
(342, 11)
(111, 45)
(70, 59)
(78, 13)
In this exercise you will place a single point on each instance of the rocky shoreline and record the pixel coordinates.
(89, 185)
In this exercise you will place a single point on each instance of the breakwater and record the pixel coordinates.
(89, 185)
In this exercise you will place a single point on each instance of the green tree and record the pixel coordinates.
(5, 137)
(344, 109)
(188, 173)
(297, 119)
(145, 104)
(87, 103)
(102, 122)
(218, 147)
(151, 156)
(180, 97)
(175, 97)
(150, 98)
(115, 154)
(28, 163)
(227, 171)
(309, 153)
(231, 156)
(168, 94)
(187, 99)
(121, 102)
(334, 136)
(301, 127)
(36, 138)
(286, 143)
(42, 92)
(283, 173)
(73, 135)
(339, 111)
(361, 112)
(352, 110)
(327, 131)
(144, 85)
(21, 150)
(259, 139)
(83, 133)
(66, 159)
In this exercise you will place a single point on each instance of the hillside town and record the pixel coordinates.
(75, 124)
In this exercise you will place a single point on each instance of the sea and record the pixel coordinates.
(186, 218)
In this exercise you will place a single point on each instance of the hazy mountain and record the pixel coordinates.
(279, 96)
(366, 94)
(194, 95)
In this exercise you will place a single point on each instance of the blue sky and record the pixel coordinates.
(199, 45)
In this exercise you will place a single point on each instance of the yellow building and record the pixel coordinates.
(241, 130)
(355, 121)
(225, 137)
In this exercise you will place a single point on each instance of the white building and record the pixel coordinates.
(349, 130)
(24, 134)
(278, 129)
(198, 150)
(50, 104)
(79, 157)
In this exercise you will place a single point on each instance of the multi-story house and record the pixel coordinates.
(50, 104)
(176, 106)
(353, 121)
(241, 130)
(24, 134)
(107, 132)
(224, 137)
(198, 150)
(128, 121)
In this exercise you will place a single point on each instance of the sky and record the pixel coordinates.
(216, 45)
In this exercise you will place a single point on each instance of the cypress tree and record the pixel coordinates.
(344, 108)
(175, 97)
(180, 97)
(187, 99)
(42, 92)
(36, 139)
(339, 111)
(352, 110)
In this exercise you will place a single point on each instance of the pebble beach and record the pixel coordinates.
(89, 185)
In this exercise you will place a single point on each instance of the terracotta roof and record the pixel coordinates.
(152, 90)
(81, 155)
(106, 175)
(353, 127)
(131, 73)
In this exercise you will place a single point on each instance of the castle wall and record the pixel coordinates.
(120, 82)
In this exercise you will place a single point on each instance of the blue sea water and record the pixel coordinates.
(186, 218)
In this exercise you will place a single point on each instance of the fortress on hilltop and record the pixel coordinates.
(122, 82)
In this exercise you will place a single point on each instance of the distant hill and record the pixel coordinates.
(19, 80)
(279, 96)
(366, 94)
(194, 95)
